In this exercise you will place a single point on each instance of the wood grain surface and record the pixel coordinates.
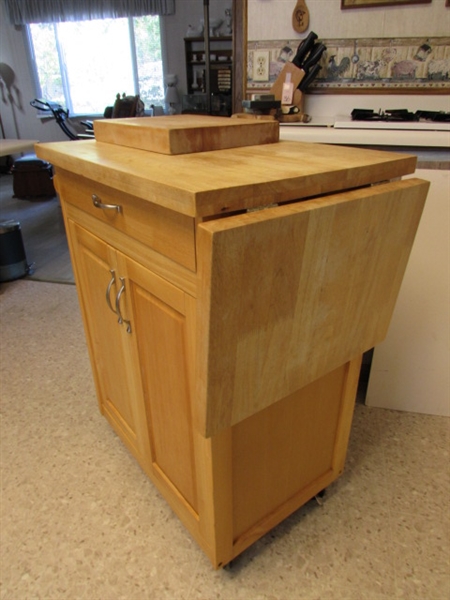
(296, 75)
(289, 293)
(183, 134)
(223, 181)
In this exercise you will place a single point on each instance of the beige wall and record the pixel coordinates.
(271, 20)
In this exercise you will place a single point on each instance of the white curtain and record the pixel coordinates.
(21, 12)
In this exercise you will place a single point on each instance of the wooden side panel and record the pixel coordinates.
(289, 452)
(282, 449)
(290, 293)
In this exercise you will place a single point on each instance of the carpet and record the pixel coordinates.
(43, 234)
(81, 521)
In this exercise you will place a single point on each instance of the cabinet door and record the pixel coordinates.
(141, 364)
(95, 264)
(290, 293)
(157, 312)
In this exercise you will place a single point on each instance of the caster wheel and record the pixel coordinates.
(320, 496)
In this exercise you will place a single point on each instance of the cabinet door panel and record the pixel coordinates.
(94, 262)
(290, 293)
(160, 330)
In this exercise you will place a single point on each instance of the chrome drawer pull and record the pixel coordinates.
(119, 314)
(98, 204)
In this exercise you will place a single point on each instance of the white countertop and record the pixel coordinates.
(341, 130)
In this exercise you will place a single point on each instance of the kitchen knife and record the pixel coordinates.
(303, 48)
(310, 66)
(313, 57)
(309, 78)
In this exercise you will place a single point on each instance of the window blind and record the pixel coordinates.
(21, 12)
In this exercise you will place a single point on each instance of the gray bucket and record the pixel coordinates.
(13, 262)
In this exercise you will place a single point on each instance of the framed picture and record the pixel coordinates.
(366, 3)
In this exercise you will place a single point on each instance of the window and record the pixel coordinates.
(82, 65)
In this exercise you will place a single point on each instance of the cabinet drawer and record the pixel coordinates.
(169, 233)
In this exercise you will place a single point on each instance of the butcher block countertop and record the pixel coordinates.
(222, 181)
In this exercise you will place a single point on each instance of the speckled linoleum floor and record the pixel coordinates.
(81, 521)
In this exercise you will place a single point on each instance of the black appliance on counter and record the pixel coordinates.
(398, 115)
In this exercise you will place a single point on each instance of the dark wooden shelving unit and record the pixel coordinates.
(220, 73)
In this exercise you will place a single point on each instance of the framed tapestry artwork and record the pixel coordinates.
(369, 65)
(367, 3)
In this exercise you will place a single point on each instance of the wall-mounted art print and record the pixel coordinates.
(366, 3)
(375, 65)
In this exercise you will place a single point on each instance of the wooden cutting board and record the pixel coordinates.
(185, 134)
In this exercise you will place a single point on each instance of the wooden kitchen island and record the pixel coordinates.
(227, 298)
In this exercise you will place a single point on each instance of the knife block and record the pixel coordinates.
(296, 77)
